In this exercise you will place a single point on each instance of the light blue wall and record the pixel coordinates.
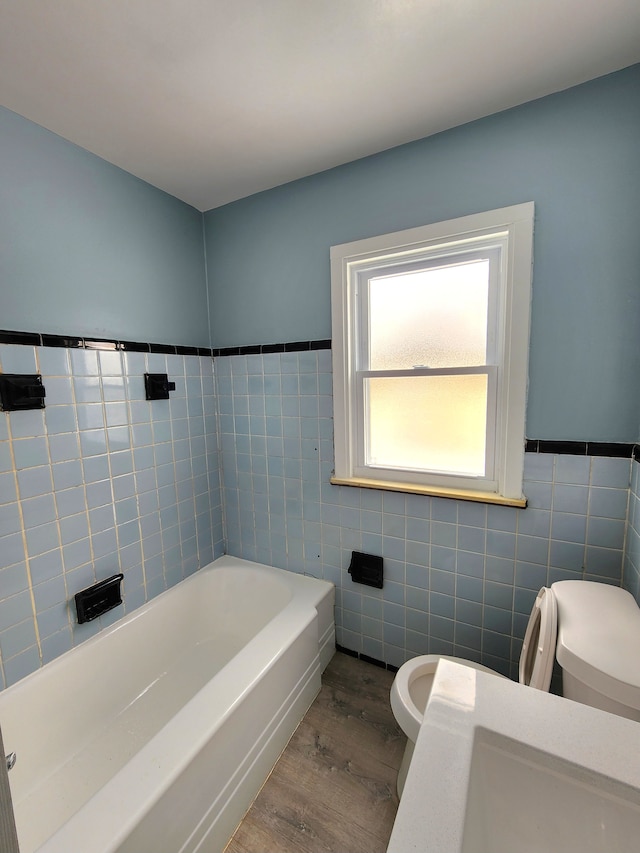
(575, 154)
(88, 249)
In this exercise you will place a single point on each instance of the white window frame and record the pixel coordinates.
(510, 228)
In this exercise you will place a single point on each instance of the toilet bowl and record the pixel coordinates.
(412, 684)
(409, 695)
(593, 630)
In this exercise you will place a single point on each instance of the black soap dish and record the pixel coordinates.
(157, 386)
(98, 599)
(21, 391)
(366, 569)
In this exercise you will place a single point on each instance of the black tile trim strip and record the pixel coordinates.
(620, 450)
(226, 351)
(297, 346)
(26, 338)
(135, 346)
(606, 448)
(167, 349)
(365, 658)
(62, 341)
(36, 339)
(74, 342)
(265, 349)
(575, 448)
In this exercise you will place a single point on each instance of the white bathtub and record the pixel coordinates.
(155, 735)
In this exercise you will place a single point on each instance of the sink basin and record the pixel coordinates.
(521, 799)
(504, 768)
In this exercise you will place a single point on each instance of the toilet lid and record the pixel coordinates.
(539, 646)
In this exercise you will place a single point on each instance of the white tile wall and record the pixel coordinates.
(103, 480)
(631, 579)
(98, 482)
(460, 577)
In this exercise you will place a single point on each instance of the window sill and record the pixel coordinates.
(436, 491)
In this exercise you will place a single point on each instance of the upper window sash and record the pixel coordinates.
(360, 294)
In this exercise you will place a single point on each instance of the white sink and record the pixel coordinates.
(520, 799)
(508, 769)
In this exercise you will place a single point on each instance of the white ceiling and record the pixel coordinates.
(213, 100)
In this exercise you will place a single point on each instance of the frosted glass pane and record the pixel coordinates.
(431, 318)
(430, 423)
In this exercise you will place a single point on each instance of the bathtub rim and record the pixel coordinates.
(225, 561)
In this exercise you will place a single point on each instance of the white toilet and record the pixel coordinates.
(593, 630)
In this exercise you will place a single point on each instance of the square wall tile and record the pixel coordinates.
(53, 361)
(18, 359)
(84, 362)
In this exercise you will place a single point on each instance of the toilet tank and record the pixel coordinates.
(598, 646)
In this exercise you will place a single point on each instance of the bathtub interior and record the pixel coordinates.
(81, 720)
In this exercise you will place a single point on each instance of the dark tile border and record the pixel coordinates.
(298, 346)
(266, 349)
(619, 450)
(162, 349)
(61, 341)
(366, 658)
(606, 448)
(573, 448)
(26, 338)
(134, 346)
(36, 339)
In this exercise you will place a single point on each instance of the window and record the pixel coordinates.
(430, 345)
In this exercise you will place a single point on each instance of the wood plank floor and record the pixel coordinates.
(333, 789)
